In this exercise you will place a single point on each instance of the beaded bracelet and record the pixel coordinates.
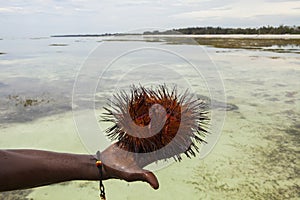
(99, 165)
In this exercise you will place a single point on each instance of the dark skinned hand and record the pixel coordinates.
(27, 168)
(123, 165)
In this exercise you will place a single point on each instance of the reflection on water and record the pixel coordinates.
(257, 156)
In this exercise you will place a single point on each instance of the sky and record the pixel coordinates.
(49, 17)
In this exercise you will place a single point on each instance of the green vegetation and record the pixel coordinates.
(262, 30)
(84, 35)
(204, 31)
(95, 35)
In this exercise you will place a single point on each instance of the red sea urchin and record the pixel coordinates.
(157, 120)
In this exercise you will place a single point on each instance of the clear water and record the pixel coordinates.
(256, 157)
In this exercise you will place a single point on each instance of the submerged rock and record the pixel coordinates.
(215, 104)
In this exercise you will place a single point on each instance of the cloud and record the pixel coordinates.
(46, 17)
(242, 9)
(11, 9)
(62, 7)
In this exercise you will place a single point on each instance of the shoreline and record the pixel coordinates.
(238, 36)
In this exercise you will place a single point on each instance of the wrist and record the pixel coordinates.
(86, 168)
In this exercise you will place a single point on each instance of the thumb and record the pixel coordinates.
(144, 175)
(150, 178)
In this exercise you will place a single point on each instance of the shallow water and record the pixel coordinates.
(256, 157)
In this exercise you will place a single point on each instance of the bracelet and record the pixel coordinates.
(99, 165)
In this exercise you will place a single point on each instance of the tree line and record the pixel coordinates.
(261, 30)
(219, 30)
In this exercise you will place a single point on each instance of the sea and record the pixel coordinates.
(53, 91)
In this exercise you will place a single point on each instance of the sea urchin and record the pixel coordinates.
(157, 121)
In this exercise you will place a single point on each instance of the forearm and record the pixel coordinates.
(20, 169)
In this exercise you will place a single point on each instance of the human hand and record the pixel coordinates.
(120, 164)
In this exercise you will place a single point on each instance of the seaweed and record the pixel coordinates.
(26, 101)
(58, 45)
(20, 108)
(257, 161)
(16, 195)
(247, 43)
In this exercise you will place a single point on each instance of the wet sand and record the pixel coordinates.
(256, 157)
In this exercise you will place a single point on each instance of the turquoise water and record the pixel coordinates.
(256, 156)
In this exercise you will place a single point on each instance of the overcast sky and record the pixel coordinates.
(48, 17)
